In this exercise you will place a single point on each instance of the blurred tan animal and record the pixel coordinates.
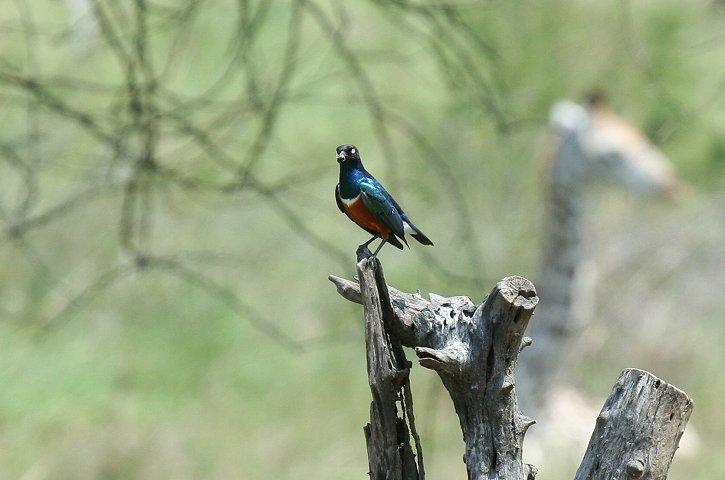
(593, 146)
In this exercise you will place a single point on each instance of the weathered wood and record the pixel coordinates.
(390, 455)
(637, 431)
(474, 349)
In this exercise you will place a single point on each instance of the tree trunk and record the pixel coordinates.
(390, 455)
(474, 350)
(637, 431)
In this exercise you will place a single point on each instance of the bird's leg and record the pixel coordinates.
(368, 242)
(363, 251)
(378, 249)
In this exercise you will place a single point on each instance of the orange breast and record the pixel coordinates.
(362, 216)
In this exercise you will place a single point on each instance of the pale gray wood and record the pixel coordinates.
(474, 349)
(390, 455)
(637, 431)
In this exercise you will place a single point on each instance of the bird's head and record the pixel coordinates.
(348, 154)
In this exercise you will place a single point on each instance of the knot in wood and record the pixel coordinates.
(602, 417)
(635, 469)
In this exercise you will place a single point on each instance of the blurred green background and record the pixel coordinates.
(166, 197)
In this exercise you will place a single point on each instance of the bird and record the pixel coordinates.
(366, 202)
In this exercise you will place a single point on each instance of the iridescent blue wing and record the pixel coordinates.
(381, 205)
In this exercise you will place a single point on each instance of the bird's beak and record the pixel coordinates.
(340, 157)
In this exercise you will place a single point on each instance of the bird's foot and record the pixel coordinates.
(363, 252)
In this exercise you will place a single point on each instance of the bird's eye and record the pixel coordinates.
(353, 151)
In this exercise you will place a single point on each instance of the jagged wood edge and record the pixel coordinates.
(638, 429)
(390, 455)
(474, 350)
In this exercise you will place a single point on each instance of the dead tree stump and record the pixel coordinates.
(637, 431)
(474, 349)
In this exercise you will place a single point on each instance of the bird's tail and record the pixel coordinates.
(415, 232)
(393, 240)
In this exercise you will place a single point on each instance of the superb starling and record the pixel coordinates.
(364, 200)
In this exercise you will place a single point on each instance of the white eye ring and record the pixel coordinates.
(352, 151)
